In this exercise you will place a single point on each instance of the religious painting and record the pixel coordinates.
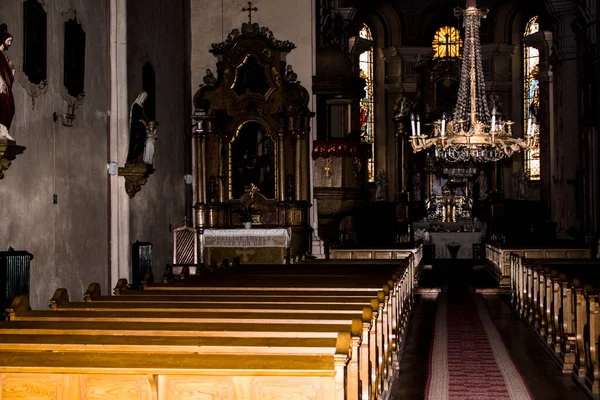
(252, 160)
(74, 58)
(251, 78)
(34, 43)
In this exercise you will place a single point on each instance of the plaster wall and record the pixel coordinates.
(69, 240)
(157, 33)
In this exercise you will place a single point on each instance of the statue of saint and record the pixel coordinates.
(138, 122)
(520, 183)
(290, 75)
(151, 137)
(209, 79)
(483, 185)
(7, 77)
(382, 182)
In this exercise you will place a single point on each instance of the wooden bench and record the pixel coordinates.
(499, 255)
(101, 375)
(560, 300)
(308, 318)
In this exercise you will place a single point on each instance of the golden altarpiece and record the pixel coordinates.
(252, 123)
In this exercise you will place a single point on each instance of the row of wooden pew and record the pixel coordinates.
(559, 299)
(305, 331)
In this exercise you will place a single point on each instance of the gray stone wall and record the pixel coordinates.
(157, 32)
(69, 240)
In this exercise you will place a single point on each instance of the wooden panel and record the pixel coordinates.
(31, 387)
(553, 254)
(533, 253)
(383, 255)
(198, 388)
(362, 255)
(341, 255)
(277, 388)
(122, 387)
(580, 253)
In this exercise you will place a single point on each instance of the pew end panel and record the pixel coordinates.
(18, 307)
(93, 292)
(60, 297)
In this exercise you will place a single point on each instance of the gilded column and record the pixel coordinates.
(304, 167)
(222, 169)
(299, 166)
(199, 138)
(280, 165)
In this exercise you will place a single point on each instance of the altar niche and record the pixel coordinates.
(252, 160)
(448, 200)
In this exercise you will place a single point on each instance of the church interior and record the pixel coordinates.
(309, 199)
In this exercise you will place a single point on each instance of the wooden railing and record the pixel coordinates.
(559, 300)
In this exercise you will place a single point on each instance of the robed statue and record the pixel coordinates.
(138, 124)
(7, 77)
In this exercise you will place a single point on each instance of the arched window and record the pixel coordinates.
(446, 43)
(367, 104)
(531, 100)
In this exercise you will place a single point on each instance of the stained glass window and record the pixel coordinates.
(531, 100)
(367, 104)
(446, 43)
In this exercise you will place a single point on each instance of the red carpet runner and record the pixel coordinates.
(468, 359)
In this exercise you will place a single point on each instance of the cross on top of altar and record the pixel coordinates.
(249, 9)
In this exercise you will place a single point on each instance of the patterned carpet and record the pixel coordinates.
(468, 360)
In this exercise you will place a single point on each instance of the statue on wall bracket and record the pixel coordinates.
(8, 147)
(140, 154)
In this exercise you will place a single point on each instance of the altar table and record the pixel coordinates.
(465, 240)
(256, 245)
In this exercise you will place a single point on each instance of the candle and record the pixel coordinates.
(443, 124)
(418, 125)
(412, 123)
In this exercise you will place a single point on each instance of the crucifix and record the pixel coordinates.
(249, 9)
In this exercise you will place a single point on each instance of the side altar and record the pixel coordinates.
(250, 139)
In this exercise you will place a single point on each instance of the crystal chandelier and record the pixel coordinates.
(471, 135)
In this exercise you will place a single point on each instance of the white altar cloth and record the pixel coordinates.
(441, 240)
(255, 237)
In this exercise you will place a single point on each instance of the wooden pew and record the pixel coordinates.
(388, 306)
(93, 375)
(562, 295)
(183, 337)
(372, 329)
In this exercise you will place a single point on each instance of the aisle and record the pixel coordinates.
(469, 360)
(538, 371)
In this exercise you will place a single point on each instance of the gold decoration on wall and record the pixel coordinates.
(136, 175)
(9, 150)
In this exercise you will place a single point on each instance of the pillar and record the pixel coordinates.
(120, 250)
